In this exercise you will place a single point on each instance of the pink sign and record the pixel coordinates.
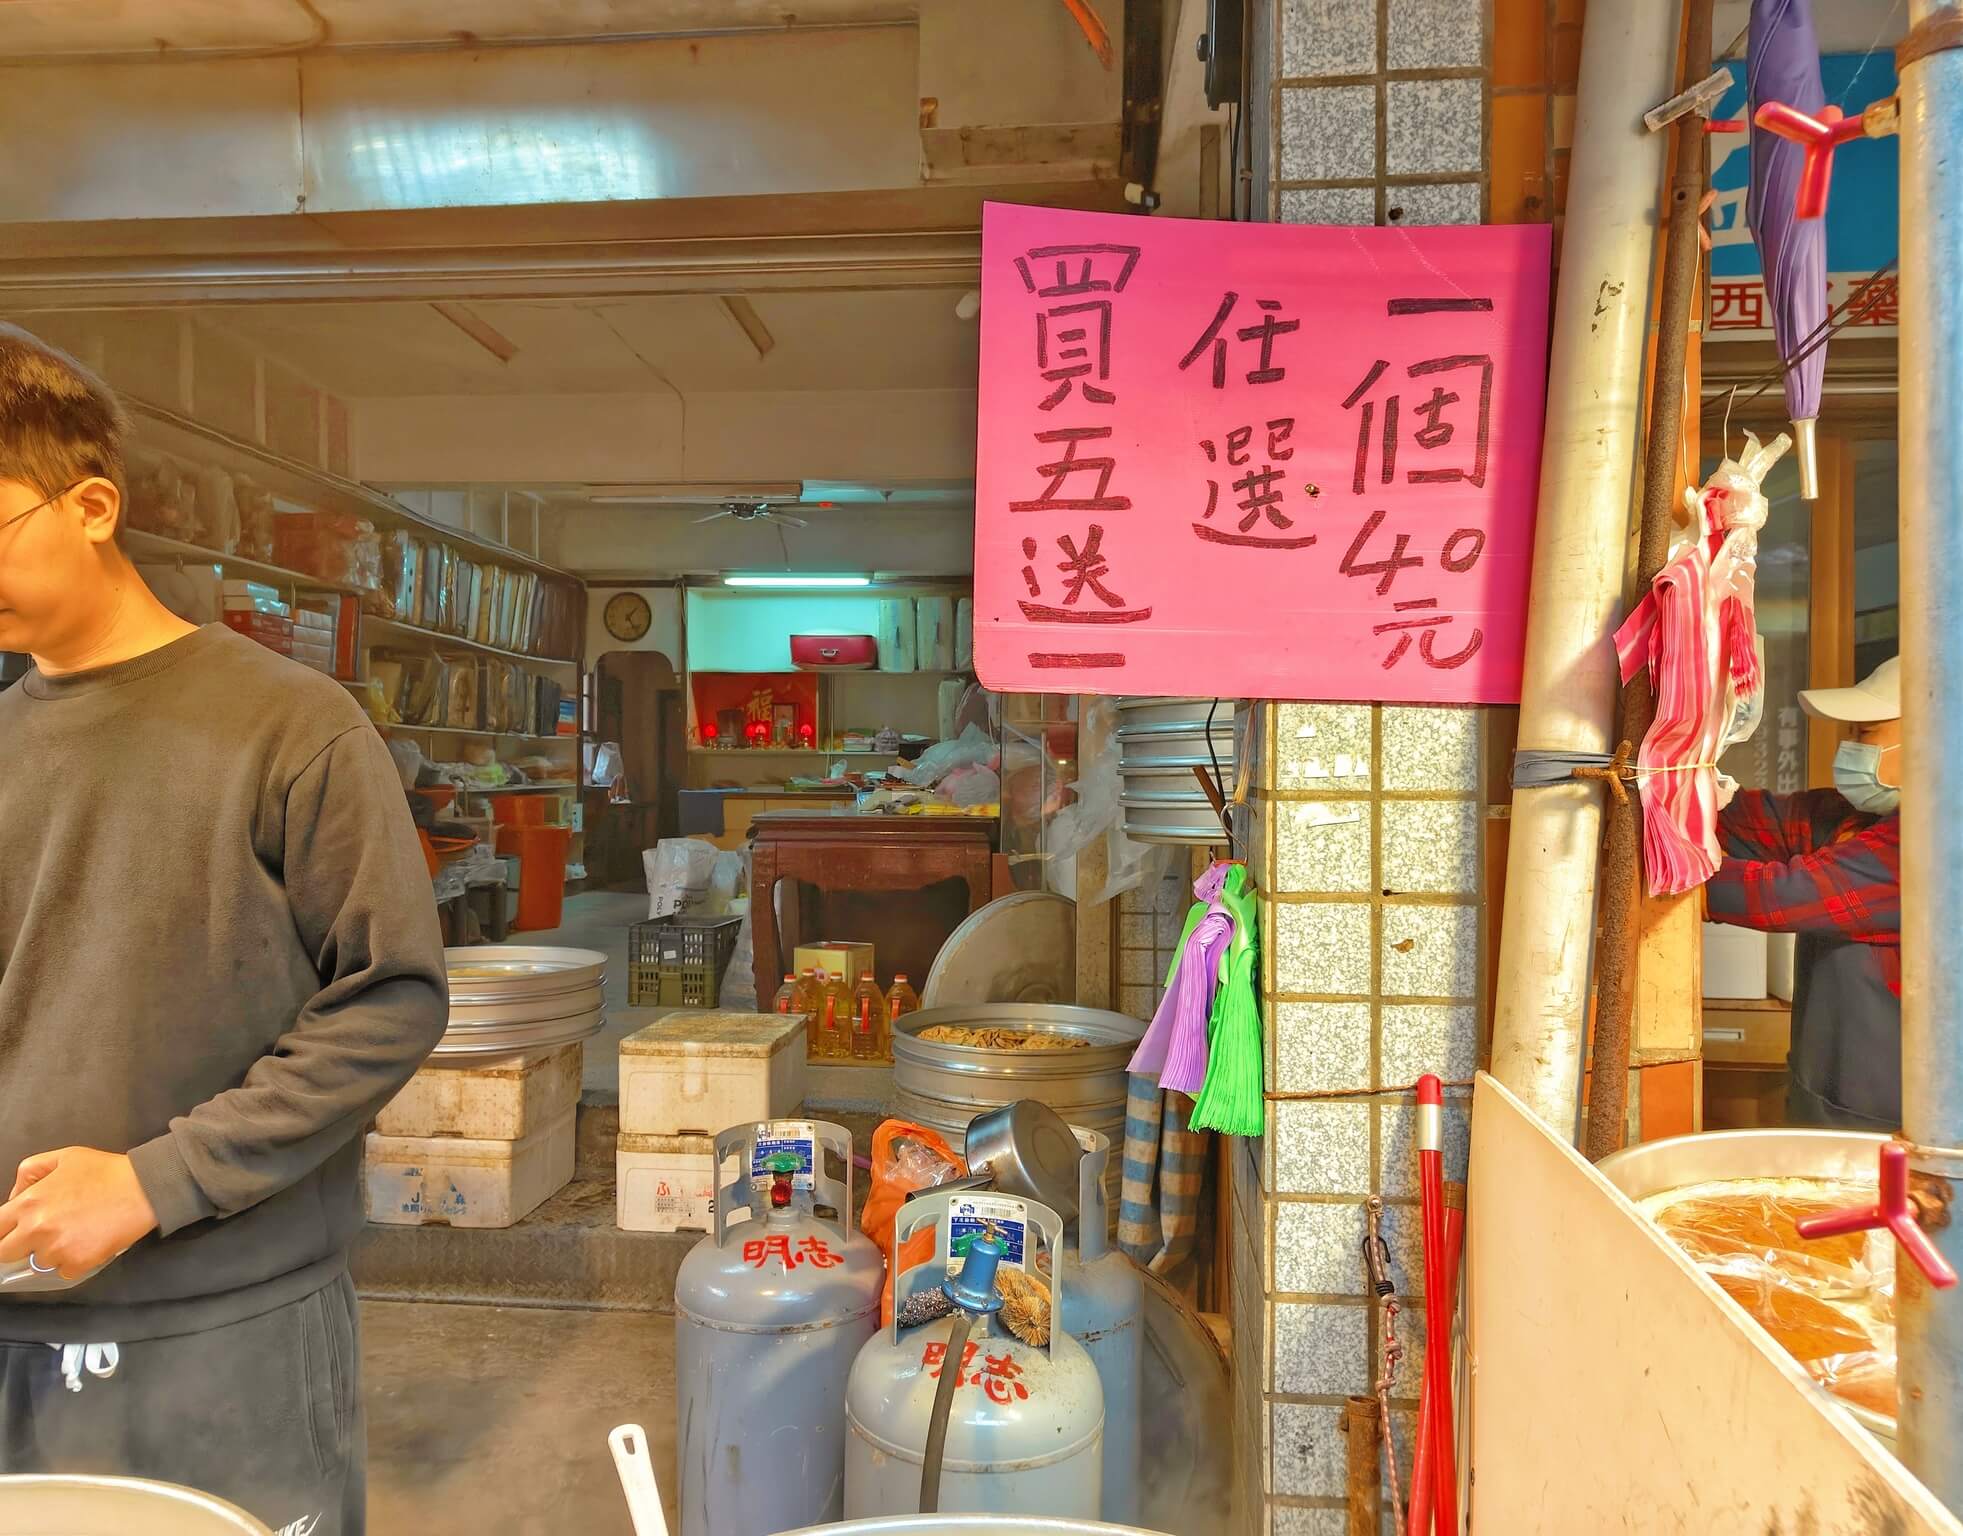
(1256, 460)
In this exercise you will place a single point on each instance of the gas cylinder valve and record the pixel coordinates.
(783, 1167)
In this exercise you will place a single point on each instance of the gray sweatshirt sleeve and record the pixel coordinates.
(361, 901)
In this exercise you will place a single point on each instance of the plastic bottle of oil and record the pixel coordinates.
(786, 1001)
(901, 1000)
(868, 1020)
(833, 1017)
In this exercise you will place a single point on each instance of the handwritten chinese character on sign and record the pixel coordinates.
(1280, 461)
(1073, 340)
(1259, 491)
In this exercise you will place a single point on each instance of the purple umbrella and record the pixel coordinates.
(1782, 66)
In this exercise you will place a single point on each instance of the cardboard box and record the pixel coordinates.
(847, 961)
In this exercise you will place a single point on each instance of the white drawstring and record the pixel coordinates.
(99, 1360)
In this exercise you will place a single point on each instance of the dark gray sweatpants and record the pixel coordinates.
(265, 1413)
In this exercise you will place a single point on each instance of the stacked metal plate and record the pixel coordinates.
(1160, 744)
(943, 1086)
(507, 1000)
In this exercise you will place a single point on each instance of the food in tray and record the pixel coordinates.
(1829, 1303)
(1001, 1039)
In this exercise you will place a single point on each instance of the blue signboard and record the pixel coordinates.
(1862, 211)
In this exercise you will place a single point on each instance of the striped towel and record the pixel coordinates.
(1158, 1213)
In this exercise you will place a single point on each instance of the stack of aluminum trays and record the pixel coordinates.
(1161, 742)
(508, 1000)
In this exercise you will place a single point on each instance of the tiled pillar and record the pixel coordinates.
(1370, 856)
(1372, 826)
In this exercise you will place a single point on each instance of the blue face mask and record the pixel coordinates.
(1857, 775)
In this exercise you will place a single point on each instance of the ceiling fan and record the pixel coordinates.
(755, 512)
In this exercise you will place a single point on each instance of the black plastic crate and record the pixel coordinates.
(679, 961)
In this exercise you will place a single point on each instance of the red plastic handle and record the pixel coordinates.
(1893, 1210)
(1819, 137)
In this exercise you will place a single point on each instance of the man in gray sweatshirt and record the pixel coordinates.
(219, 958)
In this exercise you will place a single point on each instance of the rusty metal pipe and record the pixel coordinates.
(1363, 1429)
(1622, 864)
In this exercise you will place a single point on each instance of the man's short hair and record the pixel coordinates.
(59, 423)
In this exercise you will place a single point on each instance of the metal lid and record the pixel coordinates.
(1021, 948)
(115, 1506)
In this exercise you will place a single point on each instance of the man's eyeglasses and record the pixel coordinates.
(21, 517)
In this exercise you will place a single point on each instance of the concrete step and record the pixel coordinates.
(567, 1253)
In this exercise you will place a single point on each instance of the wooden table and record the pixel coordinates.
(850, 868)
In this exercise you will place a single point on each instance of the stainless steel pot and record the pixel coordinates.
(1031, 1152)
(115, 1506)
(1067, 1080)
(1657, 1166)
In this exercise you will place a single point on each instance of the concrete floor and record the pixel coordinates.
(493, 1421)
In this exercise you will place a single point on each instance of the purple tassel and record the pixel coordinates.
(1174, 1049)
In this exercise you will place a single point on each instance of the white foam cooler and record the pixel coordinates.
(504, 1099)
(697, 1074)
(665, 1183)
(459, 1181)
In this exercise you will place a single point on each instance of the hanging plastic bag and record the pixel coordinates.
(1696, 632)
(905, 1157)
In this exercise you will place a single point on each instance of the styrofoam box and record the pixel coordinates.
(457, 1181)
(665, 1183)
(697, 1074)
(503, 1099)
(1734, 962)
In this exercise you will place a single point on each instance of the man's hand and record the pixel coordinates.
(74, 1210)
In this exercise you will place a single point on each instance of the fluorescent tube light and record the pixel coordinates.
(794, 581)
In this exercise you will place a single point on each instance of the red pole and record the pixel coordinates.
(1421, 1459)
(1438, 1304)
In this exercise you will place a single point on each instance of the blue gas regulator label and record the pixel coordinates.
(969, 1217)
(798, 1138)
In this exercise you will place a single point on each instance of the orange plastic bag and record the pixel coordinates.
(905, 1157)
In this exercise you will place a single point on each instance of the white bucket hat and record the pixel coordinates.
(1876, 697)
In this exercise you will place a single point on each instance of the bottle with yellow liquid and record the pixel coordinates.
(901, 1000)
(832, 1017)
(786, 1001)
(868, 1021)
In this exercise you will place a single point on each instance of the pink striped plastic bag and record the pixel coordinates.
(1696, 632)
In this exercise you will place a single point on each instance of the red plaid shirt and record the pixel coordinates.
(1812, 864)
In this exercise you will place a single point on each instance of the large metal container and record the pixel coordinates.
(943, 1087)
(1025, 1432)
(975, 1525)
(1657, 1166)
(771, 1310)
(1102, 1308)
(1160, 743)
(115, 1506)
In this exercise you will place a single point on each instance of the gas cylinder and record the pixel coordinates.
(1026, 1431)
(1103, 1302)
(771, 1309)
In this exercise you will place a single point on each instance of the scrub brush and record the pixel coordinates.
(1230, 1100)
(1025, 1306)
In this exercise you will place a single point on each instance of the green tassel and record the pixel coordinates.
(1230, 1099)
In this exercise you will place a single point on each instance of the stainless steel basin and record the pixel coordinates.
(115, 1506)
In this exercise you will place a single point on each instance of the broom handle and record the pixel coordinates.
(1438, 1343)
(1421, 1468)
